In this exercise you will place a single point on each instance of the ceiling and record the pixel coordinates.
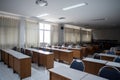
(97, 14)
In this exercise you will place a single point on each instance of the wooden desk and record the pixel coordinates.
(93, 65)
(118, 53)
(66, 73)
(114, 64)
(62, 54)
(43, 58)
(77, 53)
(19, 62)
(107, 57)
(2, 55)
(93, 77)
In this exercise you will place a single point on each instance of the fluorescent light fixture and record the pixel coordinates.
(42, 15)
(74, 6)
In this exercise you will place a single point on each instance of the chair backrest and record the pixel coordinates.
(96, 56)
(110, 73)
(117, 59)
(78, 65)
(22, 50)
(111, 52)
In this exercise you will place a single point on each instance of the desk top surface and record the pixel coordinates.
(73, 74)
(39, 51)
(115, 64)
(107, 55)
(95, 60)
(16, 54)
(68, 72)
(93, 77)
(62, 50)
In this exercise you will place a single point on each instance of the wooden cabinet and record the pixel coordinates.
(6, 58)
(46, 60)
(22, 67)
(2, 56)
(43, 58)
(54, 76)
(11, 60)
(68, 57)
(35, 57)
(93, 65)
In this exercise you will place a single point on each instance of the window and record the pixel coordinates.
(44, 34)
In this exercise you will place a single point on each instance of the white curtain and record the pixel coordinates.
(32, 34)
(54, 34)
(72, 35)
(9, 31)
(86, 36)
(77, 35)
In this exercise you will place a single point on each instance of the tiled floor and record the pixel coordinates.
(38, 73)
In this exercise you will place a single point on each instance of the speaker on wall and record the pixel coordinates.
(62, 28)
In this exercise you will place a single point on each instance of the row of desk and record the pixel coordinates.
(66, 73)
(20, 63)
(82, 51)
(41, 57)
(108, 57)
(62, 54)
(93, 65)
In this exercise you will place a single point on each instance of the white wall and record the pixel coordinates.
(107, 34)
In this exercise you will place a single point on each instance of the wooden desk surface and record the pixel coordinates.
(69, 73)
(93, 77)
(95, 60)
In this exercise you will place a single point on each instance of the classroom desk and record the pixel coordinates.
(117, 53)
(108, 57)
(43, 58)
(19, 62)
(93, 77)
(114, 64)
(66, 73)
(62, 55)
(77, 52)
(93, 65)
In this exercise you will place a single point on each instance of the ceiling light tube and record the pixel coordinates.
(74, 6)
(42, 15)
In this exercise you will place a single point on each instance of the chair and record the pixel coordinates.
(117, 59)
(96, 56)
(110, 73)
(111, 52)
(22, 50)
(78, 65)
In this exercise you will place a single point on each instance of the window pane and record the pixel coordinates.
(41, 36)
(47, 27)
(47, 37)
(41, 26)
